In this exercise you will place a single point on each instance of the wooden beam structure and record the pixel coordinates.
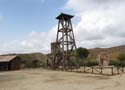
(63, 50)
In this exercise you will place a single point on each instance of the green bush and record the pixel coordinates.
(121, 57)
(92, 63)
(33, 64)
(89, 63)
(117, 63)
(82, 52)
(114, 62)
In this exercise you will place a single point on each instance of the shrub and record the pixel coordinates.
(114, 62)
(121, 57)
(82, 52)
(92, 63)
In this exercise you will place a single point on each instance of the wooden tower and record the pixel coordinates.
(62, 51)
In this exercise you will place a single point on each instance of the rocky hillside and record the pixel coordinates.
(31, 56)
(112, 52)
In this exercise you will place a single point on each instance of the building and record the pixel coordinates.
(8, 63)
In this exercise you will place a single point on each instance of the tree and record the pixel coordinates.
(121, 57)
(82, 52)
(35, 63)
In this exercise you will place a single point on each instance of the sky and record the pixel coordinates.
(28, 26)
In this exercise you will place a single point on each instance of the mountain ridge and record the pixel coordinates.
(112, 52)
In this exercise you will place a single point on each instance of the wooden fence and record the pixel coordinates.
(101, 70)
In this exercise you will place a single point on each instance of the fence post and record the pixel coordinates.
(92, 69)
(71, 68)
(112, 71)
(77, 70)
(118, 70)
(84, 69)
(101, 70)
(122, 69)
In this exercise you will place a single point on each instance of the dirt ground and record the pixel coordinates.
(40, 79)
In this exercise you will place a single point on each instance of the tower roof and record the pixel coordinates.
(64, 16)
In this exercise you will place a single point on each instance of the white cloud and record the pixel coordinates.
(35, 42)
(102, 22)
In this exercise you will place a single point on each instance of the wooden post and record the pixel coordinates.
(76, 69)
(101, 70)
(92, 69)
(118, 70)
(71, 68)
(46, 63)
(112, 71)
(84, 69)
(122, 69)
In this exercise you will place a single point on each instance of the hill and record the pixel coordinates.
(28, 59)
(112, 52)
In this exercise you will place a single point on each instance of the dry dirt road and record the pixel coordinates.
(40, 79)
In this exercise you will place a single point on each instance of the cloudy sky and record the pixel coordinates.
(30, 25)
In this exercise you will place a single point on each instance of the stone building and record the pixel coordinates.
(103, 59)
